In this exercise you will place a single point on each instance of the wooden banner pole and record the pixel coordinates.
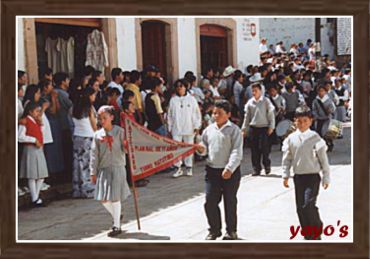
(137, 212)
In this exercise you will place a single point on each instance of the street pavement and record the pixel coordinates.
(172, 209)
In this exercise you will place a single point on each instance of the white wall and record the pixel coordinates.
(20, 51)
(288, 30)
(247, 44)
(327, 32)
(126, 44)
(187, 46)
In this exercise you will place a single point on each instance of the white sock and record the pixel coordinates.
(108, 206)
(39, 183)
(116, 213)
(33, 189)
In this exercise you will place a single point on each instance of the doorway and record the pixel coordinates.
(156, 48)
(214, 47)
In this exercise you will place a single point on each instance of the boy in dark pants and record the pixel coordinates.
(305, 152)
(259, 123)
(223, 142)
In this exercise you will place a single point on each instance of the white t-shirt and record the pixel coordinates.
(263, 48)
(115, 85)
(83, 128)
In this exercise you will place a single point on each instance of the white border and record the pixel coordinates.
(179, 16)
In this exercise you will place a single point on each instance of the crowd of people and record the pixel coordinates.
(58, 117)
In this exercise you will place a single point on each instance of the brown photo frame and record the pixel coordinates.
(358, 249)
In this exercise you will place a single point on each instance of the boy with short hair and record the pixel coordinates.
(291, 99)
(259, 123)
(323, 109)
(223, 142)
(305, 152)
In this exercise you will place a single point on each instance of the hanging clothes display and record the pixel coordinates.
(96, 51)
(71, 56)
(60, 55)
(52, 48)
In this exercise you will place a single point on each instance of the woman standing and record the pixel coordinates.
(84, 119)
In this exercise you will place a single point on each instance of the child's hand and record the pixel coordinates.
(45, 106)
(244, 133)
(226, 174)
(325, 185)
(201, 148)
(269, 131)
(22, 121)
(285, 183)
(54, 93)
(38, 144)
(93, 179)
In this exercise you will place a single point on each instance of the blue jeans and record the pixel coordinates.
(161, 130)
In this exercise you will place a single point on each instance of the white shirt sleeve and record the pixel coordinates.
(22, 137)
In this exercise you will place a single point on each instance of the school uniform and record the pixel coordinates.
(225, 151)
(333, 96)
(305, 153)
(259, 117)
(343, 96)
(108, 162)
(279, 104)
(292, 102)
(33, 162)
(322, 113)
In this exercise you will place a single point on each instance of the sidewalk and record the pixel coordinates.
(266, 210)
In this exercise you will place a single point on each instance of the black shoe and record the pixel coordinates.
(267, 171)
(340, 136)
(38, 204)
(115, 232)
(256, 173)
(213, 236)
(230, 236)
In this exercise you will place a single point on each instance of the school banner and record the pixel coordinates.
(150, 152)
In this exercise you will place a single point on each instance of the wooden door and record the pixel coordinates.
(154, 45)
(213, 47)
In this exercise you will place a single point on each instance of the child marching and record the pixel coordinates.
(107, 167)
(259, 123)
(223, 142)
(305, 152)
(323, 109)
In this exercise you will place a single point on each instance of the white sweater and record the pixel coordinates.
(183, 115)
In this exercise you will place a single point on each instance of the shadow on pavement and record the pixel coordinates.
(141, 236)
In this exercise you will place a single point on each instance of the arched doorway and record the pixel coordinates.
(214, 47)
(156, 45)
